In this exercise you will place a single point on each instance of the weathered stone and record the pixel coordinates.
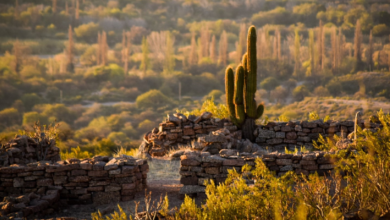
(212, 170)
(190, 162)
(191, 180)
(234, 162)
(283, 161)
(327, 166)
(97, 173)
(307, 124)
(307, 162)
(112, 188)
(291, 135)
(275, 141)
(45, 182)
(286, 168)
(310, 167)
(286, 128)
(18, 182)
(58, 180)
(213, 159)
(128, 186)
(280, 134)
(266, 133)
(310, 156)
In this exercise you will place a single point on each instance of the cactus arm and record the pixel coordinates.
(229, 89)
(251, 81)
(260, 110)
(244, 64)
(239, 95)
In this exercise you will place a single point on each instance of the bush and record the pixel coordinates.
(334, 87)
(29, 118)
(29, 100)
(380, 30)
(146, 126)
(321, 91)
(87, 32)
(269, 83)
(213, 95)
(9, 117)
(153, 99)
(300, 92)
(278, 15)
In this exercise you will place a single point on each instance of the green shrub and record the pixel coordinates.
(29, 118)
(87, 32)
(153, 99)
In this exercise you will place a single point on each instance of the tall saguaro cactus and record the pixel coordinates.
(240, 93)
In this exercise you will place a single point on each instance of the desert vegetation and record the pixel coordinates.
(104, 73)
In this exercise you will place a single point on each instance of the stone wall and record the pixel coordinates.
(275, 136)
(99, 180)
(278, 135)
(178, 129)
(198, 167)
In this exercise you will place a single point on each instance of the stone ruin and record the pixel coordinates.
(197, 168)
(216, 145)
(34, 181)
(24, 149)
(207, 134)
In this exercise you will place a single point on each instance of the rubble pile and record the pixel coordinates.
(24, 149)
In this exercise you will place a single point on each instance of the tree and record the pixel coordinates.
(240, 47)
(297, 47)
(54, 6)
(300, 92)
(66, 8)
(77, 12)
(213, 49)
(370, 53)
(223, 49)
(204, 42)
(169, 61)
(145, 63)
(358, 47)
(103, 48)
(69, 52)
(309, 71)
(320, 45)
(16, 10)
(193, 58)
(17, 52)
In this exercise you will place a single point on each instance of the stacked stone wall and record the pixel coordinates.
(275, 136)
(99, 180)
(199, 167)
